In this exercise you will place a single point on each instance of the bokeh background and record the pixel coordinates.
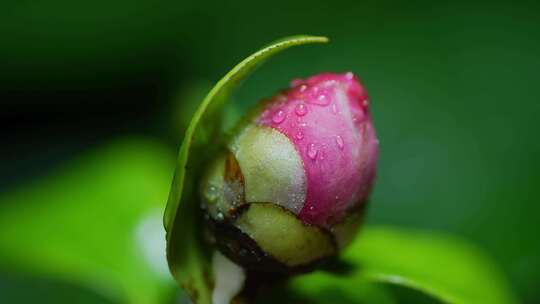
(94, 96)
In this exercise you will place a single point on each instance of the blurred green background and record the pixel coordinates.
(93, 95)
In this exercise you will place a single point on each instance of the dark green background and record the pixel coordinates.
(454, 89)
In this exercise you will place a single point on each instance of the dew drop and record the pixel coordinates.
(312, 151)
(211, 193)
(365, 102)
(339, 142)
(303, 88)
(349, 75)
(299, 135)
(311, 208)
(300, 109)
(321, 100)
(278, 117)
(220, 217)
(334, 108)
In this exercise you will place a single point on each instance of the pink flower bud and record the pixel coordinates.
(326, 118)
(296, 175)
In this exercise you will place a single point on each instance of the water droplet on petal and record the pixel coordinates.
(365, 102)
(303, 88)
(311, 208)
(278, 117)
(300, 109)
(312, 151)
(321, 100)
(334, 108)
(349, 75)
(339, 142)
(299, 135)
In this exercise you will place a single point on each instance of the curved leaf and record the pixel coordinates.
(188, 259)
(443, 267)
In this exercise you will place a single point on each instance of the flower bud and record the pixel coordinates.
(291, 186)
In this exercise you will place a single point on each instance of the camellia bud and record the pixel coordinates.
(291, 186)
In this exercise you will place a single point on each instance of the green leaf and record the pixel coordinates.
(324, 287)
(443, 267)
(95, 222)
(188, 259)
